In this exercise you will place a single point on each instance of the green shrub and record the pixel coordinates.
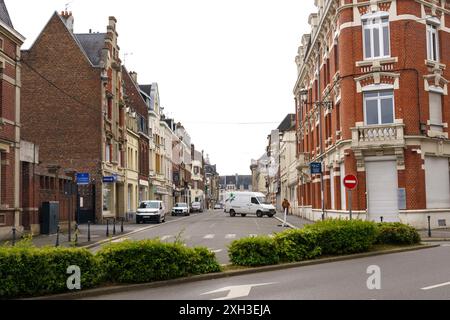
(153, 260)
(336, 237)
(297, 245)
(396, 233)
(27, 271)
(253, 252)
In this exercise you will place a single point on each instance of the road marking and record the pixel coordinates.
(252, 235)
(166, 237)
(216, 251)
(230, 236)
(209, 236)
(436, 286)
(235, 292)
(120, 240)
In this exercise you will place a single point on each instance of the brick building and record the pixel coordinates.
(378, 108)
(10, 43)
(72, 107)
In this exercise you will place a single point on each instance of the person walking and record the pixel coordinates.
(286, 206)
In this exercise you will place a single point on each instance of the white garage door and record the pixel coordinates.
(437, 183)
(382, 187)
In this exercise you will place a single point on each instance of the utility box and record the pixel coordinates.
(49, 217)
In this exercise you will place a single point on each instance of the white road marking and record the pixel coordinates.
(230, 236)
(166, 237)
(237, 291)
(120, 240)
(436, 286)
(216, 251)
(209, 236)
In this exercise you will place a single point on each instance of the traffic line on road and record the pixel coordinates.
(216, 251)
(209, 236)
(166, 237)
(120, 240)
(230, 236)
(436, 286)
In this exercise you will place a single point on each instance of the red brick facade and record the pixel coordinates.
(346, 76)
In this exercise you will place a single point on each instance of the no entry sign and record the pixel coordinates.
(350, 182)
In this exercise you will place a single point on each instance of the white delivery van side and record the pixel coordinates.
(244, 203)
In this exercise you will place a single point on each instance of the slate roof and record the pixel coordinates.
(288, 123)
(92, 44)
(4, 15)
(147, 88)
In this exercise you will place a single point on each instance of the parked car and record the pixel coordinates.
(181, 209)
(244, 203)
(197, 207)
(218, 206)
(151, 211)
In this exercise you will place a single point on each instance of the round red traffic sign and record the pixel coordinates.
(350, 182)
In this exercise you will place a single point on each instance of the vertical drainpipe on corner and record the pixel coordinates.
(320, 133)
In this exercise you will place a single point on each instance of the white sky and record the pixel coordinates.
(217, 62)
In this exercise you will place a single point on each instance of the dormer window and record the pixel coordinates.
(376, 36)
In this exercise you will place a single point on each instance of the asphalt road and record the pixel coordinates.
(214, 230)
(423, 274)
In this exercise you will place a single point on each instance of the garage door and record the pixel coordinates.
(437, 183)
(382, 187)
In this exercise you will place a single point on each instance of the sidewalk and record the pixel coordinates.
(436, 235)
(294, 221)
(98, 233)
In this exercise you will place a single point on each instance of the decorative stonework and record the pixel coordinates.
(378, 78)
(436, 80)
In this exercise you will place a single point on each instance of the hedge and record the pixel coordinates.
(26, 271)
(396, 233)
(254, 252)
(153, 260)
(336, 237)
(297, 245)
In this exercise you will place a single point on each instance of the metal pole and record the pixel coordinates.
(114, 226)
(57, 237)
(381, 219)
(107, 227)
(429, 226)
(14, 236)
(76, 233)
(350, 203)
(89, 231)
(121, 227)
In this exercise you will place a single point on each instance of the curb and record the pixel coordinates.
(435, 239)
(126, 288)
(287, 223)
(125, 235)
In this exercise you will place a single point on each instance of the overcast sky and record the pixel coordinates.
(218, 63)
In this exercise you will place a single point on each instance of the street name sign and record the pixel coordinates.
(316, 168)
(83, 179)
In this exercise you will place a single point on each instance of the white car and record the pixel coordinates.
(151, 211)
(181, 209)
(244, 203)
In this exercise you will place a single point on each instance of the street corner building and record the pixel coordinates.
(73, 108)
(372, 100)
(10, 135)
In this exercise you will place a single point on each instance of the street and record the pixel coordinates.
(423, 274)
(212, 229)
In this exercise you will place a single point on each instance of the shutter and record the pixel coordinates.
(436, 111)
(437, 183)
(382, 188)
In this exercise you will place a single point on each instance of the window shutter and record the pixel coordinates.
(437, 183)
(436, 111)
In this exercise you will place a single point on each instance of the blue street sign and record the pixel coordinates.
(83, 178)
(316, 168)
(110, 179)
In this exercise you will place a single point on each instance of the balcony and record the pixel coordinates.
(378, 136)
(303, 160)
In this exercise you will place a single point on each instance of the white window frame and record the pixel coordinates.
(432, 30)
(378, 99)
(372, 22)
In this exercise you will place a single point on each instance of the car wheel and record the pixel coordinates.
(232, 213)
(270, 215)
(259, 214)
(243, 215)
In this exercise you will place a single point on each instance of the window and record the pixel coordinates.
(110, 102)
(436, 111)
(376, 38)
(379, 107)
(108, 152)
(432, 43)
(255, 201)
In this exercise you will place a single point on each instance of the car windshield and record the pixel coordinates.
(149, 205)
(262, 200)
(181, 205)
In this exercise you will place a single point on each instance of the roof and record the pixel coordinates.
(92, 44)
(4, 15)
(147, 88)
(288, 123)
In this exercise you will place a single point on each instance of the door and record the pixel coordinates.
(382, 190)
(254, 206)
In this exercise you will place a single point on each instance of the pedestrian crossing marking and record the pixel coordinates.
(230, 236)
(166, 237)
(209, 236)
(216, 251)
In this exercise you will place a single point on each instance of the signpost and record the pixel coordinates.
(350, 182)
(316, 168)
(83, 179)
(111, 179)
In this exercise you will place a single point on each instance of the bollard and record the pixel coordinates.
(76, 234)
(14, 236)
(429, 226)
(107, 227)
(114, 226)
(121, 226)
(381, 219)
(89, 231)
(57, 237)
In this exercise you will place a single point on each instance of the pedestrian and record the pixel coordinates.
(286, 206)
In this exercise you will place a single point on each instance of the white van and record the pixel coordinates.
(153, 211)
(244, 203)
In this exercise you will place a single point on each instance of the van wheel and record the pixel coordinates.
(259, 214)
(232, 213)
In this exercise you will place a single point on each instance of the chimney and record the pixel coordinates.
(133, 76)
(68, 19)
(112, 22)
